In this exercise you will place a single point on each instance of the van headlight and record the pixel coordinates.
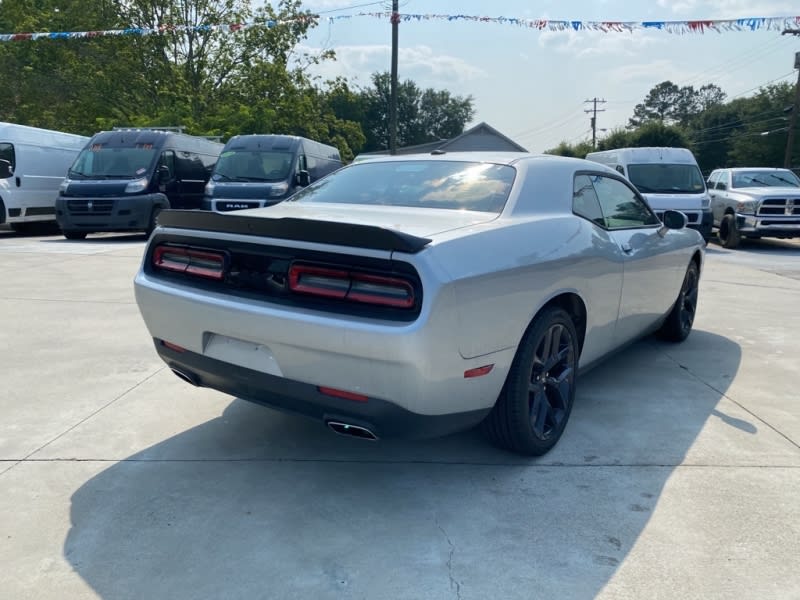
(278, 190)
(134, 187)
(62, 189)
(747, 207)
(705, 203)
(210, 188)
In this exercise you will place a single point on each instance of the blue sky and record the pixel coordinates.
(531, 84)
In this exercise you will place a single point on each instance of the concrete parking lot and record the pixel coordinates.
(678, 475)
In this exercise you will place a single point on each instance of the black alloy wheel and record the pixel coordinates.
(679, 323)
(533, 408)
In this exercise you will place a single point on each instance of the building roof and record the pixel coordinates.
(480, 128)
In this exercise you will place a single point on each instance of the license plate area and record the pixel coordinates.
(249, 355)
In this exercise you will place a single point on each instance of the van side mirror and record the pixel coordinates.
(303, 178)
(164, 174)
(674, 219)
(5, 169)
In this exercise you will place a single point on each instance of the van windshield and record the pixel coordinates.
(659, 178)
(253, 165)
(105, 162)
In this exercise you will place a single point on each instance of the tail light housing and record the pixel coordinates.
(200, 262)
(353, 286)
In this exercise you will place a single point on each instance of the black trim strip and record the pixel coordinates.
(287, 228)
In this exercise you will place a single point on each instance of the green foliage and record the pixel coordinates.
(670, 104)
(579, 150)
(422, 115)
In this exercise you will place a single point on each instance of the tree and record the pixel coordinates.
(579, 150)
(667, 103)
(422, 115)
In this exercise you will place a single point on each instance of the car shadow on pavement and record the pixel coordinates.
(258, 504)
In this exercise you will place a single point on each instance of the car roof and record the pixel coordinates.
(503, 158)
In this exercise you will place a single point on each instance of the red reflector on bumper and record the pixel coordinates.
(328, 391)
(173, 347)
(478, 371)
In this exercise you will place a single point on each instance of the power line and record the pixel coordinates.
(763, 84)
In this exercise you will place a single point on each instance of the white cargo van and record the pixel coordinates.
(33, 163)
(668, 178)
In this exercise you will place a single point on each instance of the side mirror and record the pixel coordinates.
(303, 178)
(164, 174)
(5, 169)
(674, 219)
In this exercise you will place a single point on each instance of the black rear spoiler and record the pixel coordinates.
(288, 228)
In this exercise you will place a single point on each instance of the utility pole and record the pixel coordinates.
(593, 120)
(393, 100)
(787, 157)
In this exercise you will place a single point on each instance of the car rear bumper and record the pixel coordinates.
(384, 419)
(131, 213)
(414, 366)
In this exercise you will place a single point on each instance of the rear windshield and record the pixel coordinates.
(419, 183)
(253, 165)
(659, 178)
(744, 179)
(113, 162)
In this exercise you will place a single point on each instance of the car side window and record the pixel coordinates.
(722, 181)
(584, 201)
(712, 180)
(622, 207)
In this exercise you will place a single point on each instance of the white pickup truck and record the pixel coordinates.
(754, 203)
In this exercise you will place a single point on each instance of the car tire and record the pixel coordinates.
(679, 322)
(534, 405)
(729, 236)
(74, 235)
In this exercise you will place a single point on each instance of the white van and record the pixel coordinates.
(33, 163)
(668, 178)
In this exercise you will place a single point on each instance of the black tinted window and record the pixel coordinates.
(418, 183)
(660, 178)
(7, 153)
(584, 201)
(621, 207)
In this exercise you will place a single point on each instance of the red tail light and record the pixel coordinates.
(192, 261)
(351, 285)
(329, 391)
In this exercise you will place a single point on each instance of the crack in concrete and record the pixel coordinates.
(736, 402)
(454, 583)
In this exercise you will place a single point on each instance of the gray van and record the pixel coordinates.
(261, 170)
(123, 178)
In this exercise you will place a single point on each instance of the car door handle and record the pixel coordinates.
(626, 248)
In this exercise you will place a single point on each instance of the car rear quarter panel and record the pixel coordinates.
(503, 273)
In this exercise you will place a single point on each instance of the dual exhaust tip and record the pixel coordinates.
(346, 429)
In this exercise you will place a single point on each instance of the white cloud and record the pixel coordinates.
(730, 9)
(422, 64)
(656, 70)
(588, 43)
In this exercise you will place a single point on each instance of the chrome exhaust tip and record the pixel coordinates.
(355, 431)
(186, 377)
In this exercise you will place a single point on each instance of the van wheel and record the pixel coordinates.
(729, 236)
(74, 235)
(153, 220)
(536, 400)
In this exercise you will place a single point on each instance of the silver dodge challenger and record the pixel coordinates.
(420, 295)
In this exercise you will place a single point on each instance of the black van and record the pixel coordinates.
(122, 179)
(260, 170)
